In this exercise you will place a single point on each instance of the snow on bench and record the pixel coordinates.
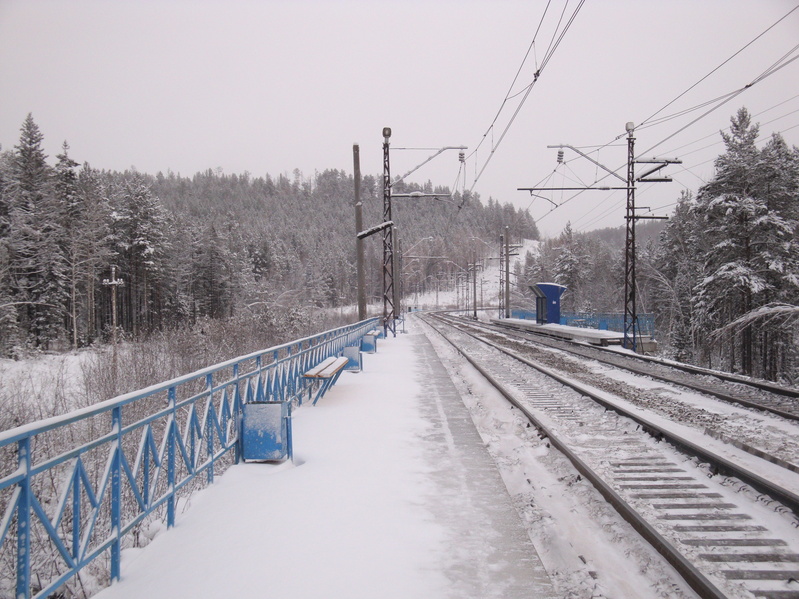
(326, 373)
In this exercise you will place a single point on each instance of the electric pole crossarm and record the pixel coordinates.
(660, 164)
(419, 194)
(651, 171)
(375, 229)
(602, 166)
(416, 168)
(532, 189)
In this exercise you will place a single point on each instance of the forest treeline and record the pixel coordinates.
(268, 252)
(722, 278)
(265, 251)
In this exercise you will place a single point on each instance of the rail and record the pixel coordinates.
(76, 488)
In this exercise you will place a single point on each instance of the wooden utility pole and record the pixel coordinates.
(113, 282)
(356, 159)
(507, 271)
(474, 284)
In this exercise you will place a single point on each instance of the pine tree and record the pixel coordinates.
(36, 258)
(141, 245)
(749, 224)
(212, 277)
(66, 193)
(570, 267)
(9, 330)
(675, 274)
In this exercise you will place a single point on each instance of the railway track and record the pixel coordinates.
(751, 428)
(762, 395)
(724, 539)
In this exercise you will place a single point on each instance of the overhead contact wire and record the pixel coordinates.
(645, 121)
(544, 62)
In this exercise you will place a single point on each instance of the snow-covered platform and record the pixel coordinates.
(592, 336)
(392, 494)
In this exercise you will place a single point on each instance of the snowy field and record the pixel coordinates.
(40, 387)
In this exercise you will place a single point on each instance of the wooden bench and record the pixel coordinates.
(325, 373)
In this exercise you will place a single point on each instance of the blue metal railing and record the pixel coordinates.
(608, 322)
(523, 314)
(70, 492)
(590, 320)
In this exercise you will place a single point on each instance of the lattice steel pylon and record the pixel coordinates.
(630, 314)
(389, 312)
(631, 332)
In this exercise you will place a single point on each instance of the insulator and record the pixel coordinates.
(560, 156)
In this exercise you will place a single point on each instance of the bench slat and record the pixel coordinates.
(316, 370)
(333, 368)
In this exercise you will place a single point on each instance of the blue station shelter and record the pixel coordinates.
(547, 302)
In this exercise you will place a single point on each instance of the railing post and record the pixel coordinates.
(170, 458)
(209, 429)
(236, 411)
(76, 509)
(116, 493)
(24, 521)
(146, 472)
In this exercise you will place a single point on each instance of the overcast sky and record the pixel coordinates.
(270, 86)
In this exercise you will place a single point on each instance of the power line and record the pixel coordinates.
(645, 121)
(714, 133)
(776, 66)
(563, 33)
(554, 43)
(677, 115)
(715, 103)
(686, 169)
(560, 20)
(729, 96)
(515, 78)
(767, 73)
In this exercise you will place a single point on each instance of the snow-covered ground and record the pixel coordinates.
(40, 387)
(392, 494)
(409, 480)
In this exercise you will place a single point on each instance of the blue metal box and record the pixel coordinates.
(266, 431)
(369, 344)
(353, 354)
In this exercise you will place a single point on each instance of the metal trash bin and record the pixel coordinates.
(266, 431)
(353, 354)
(369, 344)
